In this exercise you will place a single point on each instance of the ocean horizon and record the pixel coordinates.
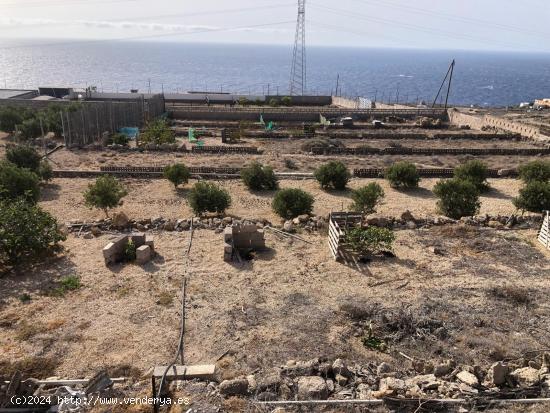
(485, 78)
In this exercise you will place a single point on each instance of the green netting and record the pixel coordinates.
(191, 135)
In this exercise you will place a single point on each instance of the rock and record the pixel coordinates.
(235, 387)
(63, 229)
(269, 381)
(96, 232)
(302, 368)
(88, 235)
(506, 172)
(424, 382)
(534, 364)
(169, 225)
(120, 220)
(312, 388)
(378, 222)
(303, 218)
(407, 216)
(526, 376)
(252, 383)
(267, 396)
(288, 226)
(227, 220)
(363, 392)
(140, 227)
(437, 250)
(341, 380)
(383, 368)
(411, 225)
(296, 221)
(495, 224)
(392, 384)
(468, 378)
(498, 373)
(339, 367)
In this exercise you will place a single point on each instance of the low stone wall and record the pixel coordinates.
(431, 151)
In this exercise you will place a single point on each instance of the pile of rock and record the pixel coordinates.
(322, 379)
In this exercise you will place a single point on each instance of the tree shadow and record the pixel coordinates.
(418, 192)
(340, 193)
(182, 192)
(39, 279)
(497, 194)
(49, 192)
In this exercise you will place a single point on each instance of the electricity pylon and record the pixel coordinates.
(298, 71)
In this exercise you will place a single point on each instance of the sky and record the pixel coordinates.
(426, 24)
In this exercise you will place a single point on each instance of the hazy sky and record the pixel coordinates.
(441, 24)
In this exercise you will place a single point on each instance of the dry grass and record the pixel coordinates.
(26, 331)
(36, 367)
(513, 294)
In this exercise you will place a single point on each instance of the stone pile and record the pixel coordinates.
(242, 239)
(321, 379)
(114, 251)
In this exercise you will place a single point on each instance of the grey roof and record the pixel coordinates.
(13, 93)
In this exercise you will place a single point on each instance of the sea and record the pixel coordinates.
(389, 75)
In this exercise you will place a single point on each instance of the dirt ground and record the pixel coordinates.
(290, 302)
(158, 198)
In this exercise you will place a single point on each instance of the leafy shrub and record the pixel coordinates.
(119, 139)
(475, 172)
(30, 128)
(130, 251)
(244, 101)
(68, 283)
(333, 173)
(290, 164)
(273, 103)
(258, 177)
(9, 118)
(208, 197)
(286, 101)
(290, 202)
(457, 198)
(403, 175)
(322, 143)
(535, 171)
(158, 132)
(27, 232)
(534, 197)
(105, 193)
(366, 198)
(45, 171)
(18, 183)
(24, 156)
(370, 240)
(177, 174)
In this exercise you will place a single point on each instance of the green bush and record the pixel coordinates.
(18, 183)
(30, 128)
(158, 132)
(27, 232)
(286, 101)
(457, 198)
(45, 171)
(333, 173)
(130, 251)
(535, 171)
(119, 139)
(366, 198)
(273, 103)
(177, 174)
(534, 197)
(11, 116)
(105, 193)
(403, 175)
(208, 197)
(66, 284)
(370, 240)
(290, 202)
(24, 156)
(258, 177)
(475, 172)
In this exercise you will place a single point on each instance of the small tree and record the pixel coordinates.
(208, 197)
(475, 172)
(45, 171)
(105, 193)
(403, 175)
(273, 102)
(290, 202)
(158, 132)
(535, 171)
(257, 177)
(27, 232)
(457, 198)
(366, 198)
(119, 139)
(370, 240)
(177, 174)
(333, 173)
(24, 156)
(286, 101)
(11, 116)
(534, 197)
(18, 183)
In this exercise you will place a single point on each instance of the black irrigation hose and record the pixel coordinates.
(179, 351)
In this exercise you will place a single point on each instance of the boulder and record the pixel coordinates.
(391, 384)
(407, 216)
(468, 378)
(498, 373)
(301, 368)
(96, 232)
(270, 381)
(363, 392)
(312, 388)
(495, 224)
(443, 369)
(383, 368)
(526, 376)
(169, 225)
(339, 367)
(120, 220)
(288, 226)
(303, 218)
(235, 387)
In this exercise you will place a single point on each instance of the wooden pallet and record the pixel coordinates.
(544, 233)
